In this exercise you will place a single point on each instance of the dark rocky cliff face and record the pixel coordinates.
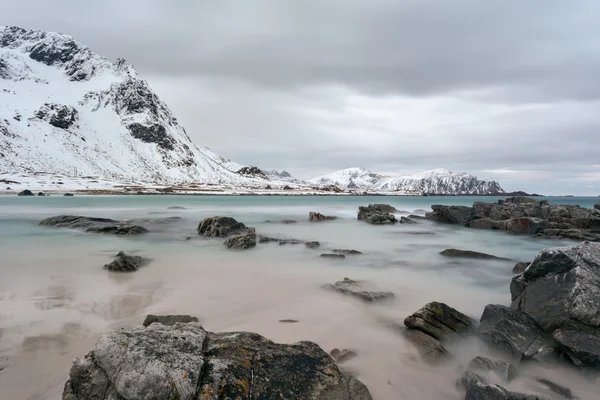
(57, 115)
(252, 171)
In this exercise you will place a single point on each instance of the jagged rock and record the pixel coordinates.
(252, 171)
(287, 187)
(318, 217)
(558, 389)
(560, 290)
(572, 234)
(450, 214)
(242, 242)
(503, 369)
(515, 334)
(341, 356)
(469, 254)
(26, 192)
(68, 195)
(429, 348)
(354, 288)
(520, 267)
(440, 321)
(168, 320)
(185, 362)
(336, 256)
(375, 214)
(597, 206)
(405, 220)
(58, 115)
(312, 245)
(346, 251)
(93, 225)
(125, 263)
(477, 389)
(220, 227)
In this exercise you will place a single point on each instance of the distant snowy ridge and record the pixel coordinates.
(437, 181)
(67, 110)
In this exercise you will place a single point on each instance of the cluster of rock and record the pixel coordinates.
(523, 215)
(94, 225)
(182, 361)
(377, 214)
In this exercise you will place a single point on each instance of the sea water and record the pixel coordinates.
(56, 299)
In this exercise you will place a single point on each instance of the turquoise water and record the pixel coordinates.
(55, 298)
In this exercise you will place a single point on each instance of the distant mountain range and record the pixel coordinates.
(67, 110)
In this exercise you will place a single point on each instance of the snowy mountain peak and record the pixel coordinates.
(65, 109)
(350, 178)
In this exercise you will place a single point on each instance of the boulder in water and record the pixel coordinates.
(440, 321)
(506, 371)
(318, 217)
(93, 225)
(429, 348)
(342, 355)
(220, 227)
(241, 242)
(126, 263)
(68, 195)
(312, 245)
(354, 288)
(375, 214)
(185, 362)
(469, 254)
(334, 256)
(41, 194)
(346, 251)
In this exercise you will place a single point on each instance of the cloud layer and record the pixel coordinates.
(504, 90)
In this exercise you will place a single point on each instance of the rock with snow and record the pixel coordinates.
(252, 171)
(185, 362)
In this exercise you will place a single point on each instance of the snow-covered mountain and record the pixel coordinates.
(67, 110)
(438, 181)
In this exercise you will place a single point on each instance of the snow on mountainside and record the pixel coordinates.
(67, 110)
(438, 181)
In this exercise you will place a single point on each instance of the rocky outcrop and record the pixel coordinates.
(312, 245)
(469, 254)
(185, 362)
(58, 115)
(597, 206)
(254, 172)
(440, 321)
(515, 334)
(168, 320)
(504, 370)
(346, 251)
(93, 225)
(26, 192)
(478, 389)
(429, 348)
(241, 242)
(318, 217)
(560, 290)
(524, 215)
(355, 289)
(377, 214)
(220, 227)
(126, 263)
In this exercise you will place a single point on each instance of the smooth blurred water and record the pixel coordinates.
(55, 295)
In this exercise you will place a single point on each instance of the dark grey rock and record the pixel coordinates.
(571, 234)
(290, 241)
(383, 208)
(68, 195)
(450, 214)
(405, 220)
(26, 192)
(289, 221)
(41, 194)
(185, 362)
(341, 356)
(506, 371)
(241, 242)
(558, 389)
(318, 217)
(469, 254)
(429, 348)
(220, 227)
(58, 115)
(126, 263)
(355, 289)
(440, 321)
(374, 214)
(168, 320)
(520, 267)
(288, 321)
(176, 208)
(515, 334)
(477, 389)
(93, 225)
(312, 245)
(346, 251)
(335, 256)
(581, 347)
(597, 206)
(267, 239)
(415, 217)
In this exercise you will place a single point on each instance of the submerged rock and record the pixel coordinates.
(354, 288)
(125, 263)
(168, 320)
(185, 362)
(405, 220)
(220, 227)
(450, 214)
(176, 208)
(336, 256)
(312, 245)
(506, 371)
(376, 214)
(477, 389)
(440, 321)
(267, 239)
(289, 221)
(241, 242)
(469, 254)
(26, 192)
(341, 356)
(318, 217)
(558, 389)
(93, 225)
(429, 348)
(346, 251)
(515, 334)
(290, 241)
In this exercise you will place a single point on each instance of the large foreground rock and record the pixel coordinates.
(126, 263)
(220, 227)
(377, 214)
(515, 334)
(94, 225)
(440, 321)
(560, 290)
(185, 362)
(524, 215)
(354, 288)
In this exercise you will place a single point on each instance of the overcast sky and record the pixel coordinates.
(508, 90)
